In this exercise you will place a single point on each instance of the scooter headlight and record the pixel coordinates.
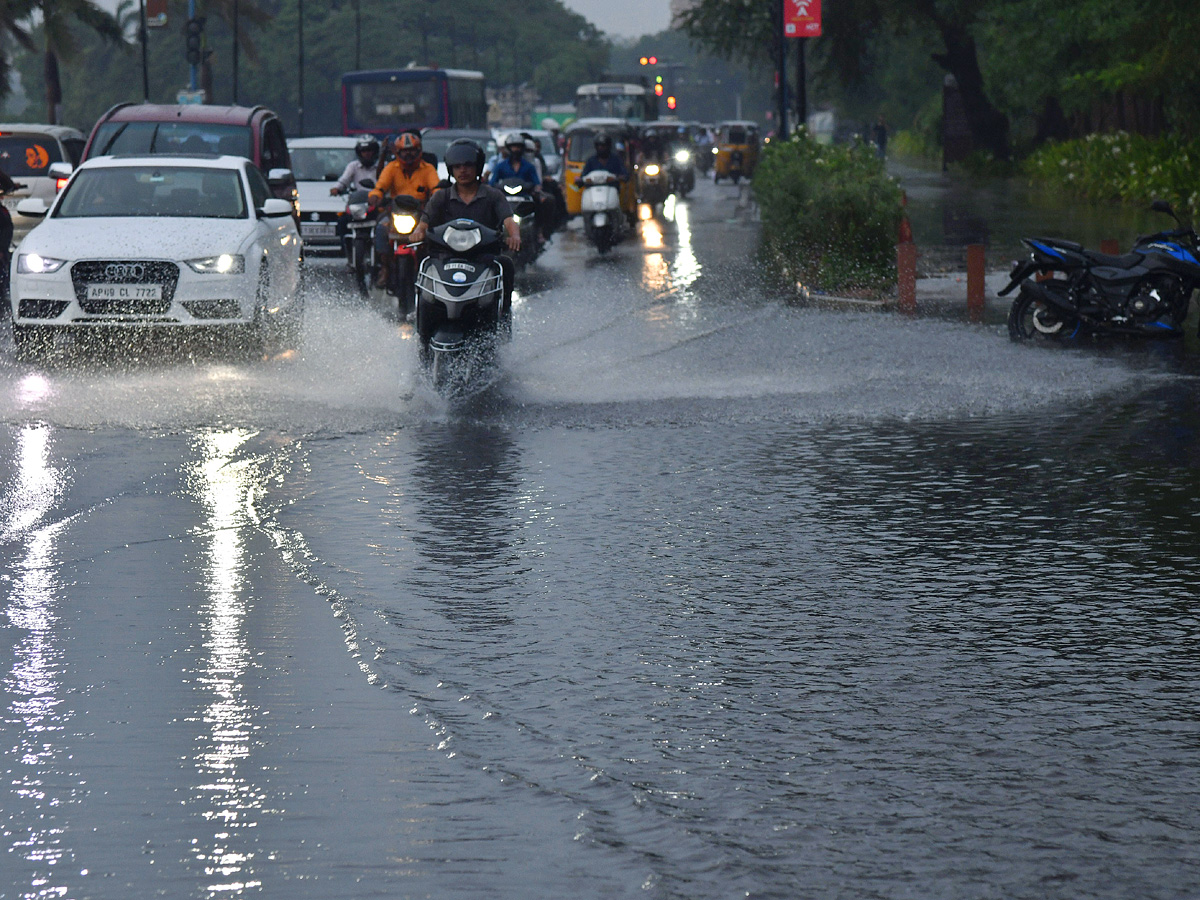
(357, 210)
(682, 156)
(513, 189)
(652, 169)
(404, 223)
(461, 239)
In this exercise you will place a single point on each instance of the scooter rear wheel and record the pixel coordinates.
(1030, 319)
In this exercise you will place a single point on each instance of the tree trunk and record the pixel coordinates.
(53, 88)
(989, 126)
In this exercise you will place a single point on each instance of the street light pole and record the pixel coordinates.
(145, 57)
(783, 103)
(235, 52)
(300, 36)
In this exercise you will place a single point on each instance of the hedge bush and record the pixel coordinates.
(830, 215)
(1125, 167)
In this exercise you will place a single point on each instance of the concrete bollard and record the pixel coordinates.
(906, 275)
(975, 273)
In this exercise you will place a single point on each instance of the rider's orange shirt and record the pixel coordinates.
(393, 180)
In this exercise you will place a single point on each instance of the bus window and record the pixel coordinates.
(384, 106)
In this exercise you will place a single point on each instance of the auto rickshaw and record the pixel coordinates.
(579, 149)
(736, 150)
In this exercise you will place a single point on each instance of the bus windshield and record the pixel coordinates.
(610, 102)
(385, 105)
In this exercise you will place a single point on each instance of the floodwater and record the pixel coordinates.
(706, 596)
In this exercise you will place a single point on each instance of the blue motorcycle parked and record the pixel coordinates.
(1074, 291)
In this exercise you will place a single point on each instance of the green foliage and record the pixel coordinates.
(1123, 167)
(830, 214)
(553, 49)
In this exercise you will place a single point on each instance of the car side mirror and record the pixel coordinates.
(275, 208)
(60, 170)
(34, 207)
(279, 176)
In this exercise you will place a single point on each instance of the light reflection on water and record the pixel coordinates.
(233, 801)
(35, 714)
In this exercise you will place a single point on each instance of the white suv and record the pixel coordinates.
(26, 154)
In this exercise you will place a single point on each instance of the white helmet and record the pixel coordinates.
(514, 139)
(550, 124)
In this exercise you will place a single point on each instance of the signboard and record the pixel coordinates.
(156, 13)
(802, 18)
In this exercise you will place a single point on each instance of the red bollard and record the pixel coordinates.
(906, 272)
(975, 270)
(1111, 246)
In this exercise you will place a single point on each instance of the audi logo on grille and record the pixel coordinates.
(126, 271)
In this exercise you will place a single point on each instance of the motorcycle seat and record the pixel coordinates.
(1126, 261)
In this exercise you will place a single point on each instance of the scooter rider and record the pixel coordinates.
(407, 174)
(604, 159)
(517, 166)
(360, 169)
(469, 198)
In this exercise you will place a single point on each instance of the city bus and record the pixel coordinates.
(614, 100)
(384, 101)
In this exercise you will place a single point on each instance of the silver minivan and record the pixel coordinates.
(27, 152)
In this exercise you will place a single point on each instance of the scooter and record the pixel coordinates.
(462, 308)
(524, 207)
(604, 221)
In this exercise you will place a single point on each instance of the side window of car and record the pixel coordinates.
(74, 148)
(260, 191)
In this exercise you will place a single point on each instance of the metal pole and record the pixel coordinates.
(801, 87)
(145, 57)
(357, 34)
(300, 36)
(783, 104)
(235, 52)
(192, 68)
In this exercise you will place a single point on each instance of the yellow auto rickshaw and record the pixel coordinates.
(579, 137)
(736, 150)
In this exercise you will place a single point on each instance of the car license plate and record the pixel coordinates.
(317, 229)
(124, 292)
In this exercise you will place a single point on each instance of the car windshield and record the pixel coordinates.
(174, 191)
(320, 163)
(142, 138)
(25, 156)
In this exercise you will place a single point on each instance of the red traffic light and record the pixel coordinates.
(658, 90)
(670, 103)
(653, 60)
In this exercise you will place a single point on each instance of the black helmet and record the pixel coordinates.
(602, 142)
(367, 145)
(464, 150)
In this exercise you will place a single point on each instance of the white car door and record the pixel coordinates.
(276, 240)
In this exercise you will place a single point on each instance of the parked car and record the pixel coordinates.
(255, 133)
(166, 243)
(318, 162)
(26, 154)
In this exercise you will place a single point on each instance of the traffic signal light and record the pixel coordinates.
(653, 60)
(670, 103)
(643, 61)
(195, 36)
(658, 90)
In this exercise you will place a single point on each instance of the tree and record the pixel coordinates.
(58, 19)
(748, 29)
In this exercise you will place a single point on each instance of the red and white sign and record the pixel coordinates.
(802, 18)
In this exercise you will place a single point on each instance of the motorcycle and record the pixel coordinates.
(653, 183)
(681, 171)
(1145, 292)
(604, 221)
(462, 310)
(524, 207)
(359, 240)
(403, 215)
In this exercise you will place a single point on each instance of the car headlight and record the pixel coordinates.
(404, 222)
(652, 169)
(682, 156)
(33, 264)
(225, 264)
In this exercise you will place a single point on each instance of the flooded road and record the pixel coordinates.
(707, 596)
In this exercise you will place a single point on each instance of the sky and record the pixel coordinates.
(624, 18)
